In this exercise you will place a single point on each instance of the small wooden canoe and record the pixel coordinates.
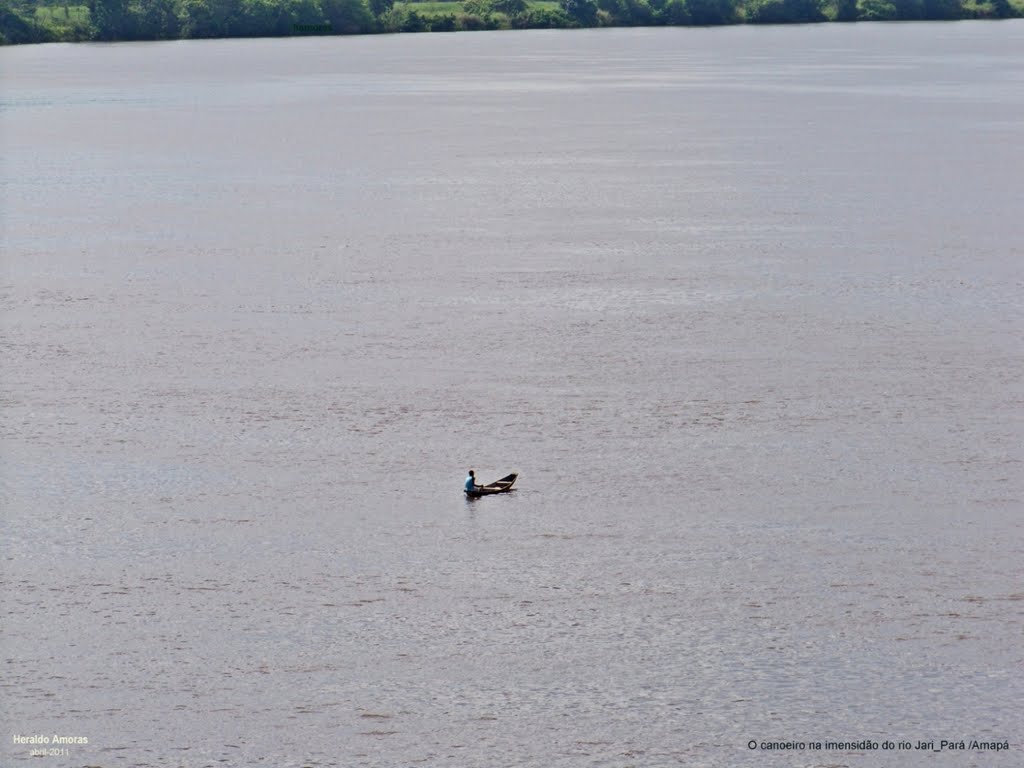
(498, 486)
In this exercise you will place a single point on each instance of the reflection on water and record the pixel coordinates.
(742, 305)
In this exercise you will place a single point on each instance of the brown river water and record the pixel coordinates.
(743, 307)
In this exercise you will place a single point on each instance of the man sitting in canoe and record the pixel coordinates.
(471, 481)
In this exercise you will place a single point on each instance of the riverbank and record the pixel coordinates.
(29, 21)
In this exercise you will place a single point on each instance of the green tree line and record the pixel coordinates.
(32, 21)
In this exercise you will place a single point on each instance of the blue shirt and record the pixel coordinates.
(470, 483)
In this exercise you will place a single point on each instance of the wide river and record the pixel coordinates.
(743, 306)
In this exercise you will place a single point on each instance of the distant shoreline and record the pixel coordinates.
(43, 21)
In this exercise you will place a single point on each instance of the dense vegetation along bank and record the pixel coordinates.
(37, 21)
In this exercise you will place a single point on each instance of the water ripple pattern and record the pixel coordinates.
(742, 306)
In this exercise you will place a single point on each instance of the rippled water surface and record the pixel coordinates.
(743, 306)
